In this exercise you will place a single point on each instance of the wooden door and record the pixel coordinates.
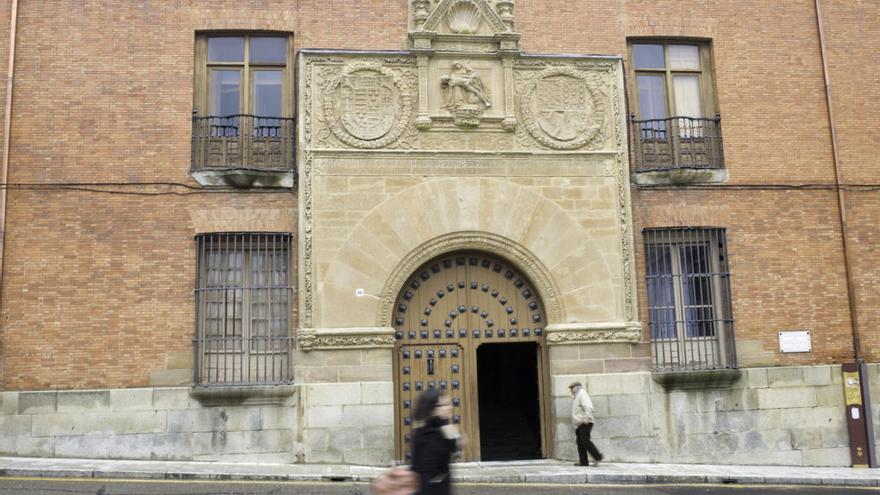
(451, 305)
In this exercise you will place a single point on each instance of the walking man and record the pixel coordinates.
(582, 418)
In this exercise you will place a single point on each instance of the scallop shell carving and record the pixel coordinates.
(464, 18)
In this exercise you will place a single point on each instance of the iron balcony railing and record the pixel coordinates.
(677, 143)
(243, 141)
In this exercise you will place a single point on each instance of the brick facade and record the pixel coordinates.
(97, 285)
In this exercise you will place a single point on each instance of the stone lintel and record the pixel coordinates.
(594, 333)
(310, 339)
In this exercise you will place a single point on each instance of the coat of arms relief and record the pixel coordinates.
(366, 104)
(563, 107)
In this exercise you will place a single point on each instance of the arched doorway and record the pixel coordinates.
(472, 324)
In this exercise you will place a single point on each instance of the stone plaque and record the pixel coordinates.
(795, 341)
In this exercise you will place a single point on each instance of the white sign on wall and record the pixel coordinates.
(795, 341)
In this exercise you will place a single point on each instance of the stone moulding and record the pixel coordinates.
(240, 177)
(310, 339)
(243, 395)
(697, 379)
(680, 176)
(594, 333)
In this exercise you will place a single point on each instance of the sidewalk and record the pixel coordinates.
(542, 471)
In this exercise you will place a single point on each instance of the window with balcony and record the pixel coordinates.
(689, 306)
(243, 309)
(674, 123)
(243, 125)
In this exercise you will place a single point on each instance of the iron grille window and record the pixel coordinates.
(243, 296)
(689, 305)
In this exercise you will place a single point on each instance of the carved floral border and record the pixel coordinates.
(595, 333)
(310, 339)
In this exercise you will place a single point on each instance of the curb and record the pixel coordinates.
(611, 475)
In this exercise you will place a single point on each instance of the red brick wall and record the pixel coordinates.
(854, 69)
(98, 287)
(785, 259)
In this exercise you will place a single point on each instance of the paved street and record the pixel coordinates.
(541, 473)
(31, 486)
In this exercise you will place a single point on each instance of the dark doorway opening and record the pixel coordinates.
(510, 419)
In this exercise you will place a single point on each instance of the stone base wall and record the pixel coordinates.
(770, 416)
(146, 423)
(349, 423)
(347, 399)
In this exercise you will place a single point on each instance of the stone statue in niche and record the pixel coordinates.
(464, 95)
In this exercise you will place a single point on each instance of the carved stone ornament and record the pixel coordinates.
(562, 109)
(464, 95)
(366, 105)
(592, 333)
(505, 12)
(420, 12)
(464, 18)
(310, 339)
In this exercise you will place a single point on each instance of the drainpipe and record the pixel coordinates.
(7, 129)
(850, 288)
(861, 429)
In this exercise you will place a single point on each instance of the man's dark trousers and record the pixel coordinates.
(585, 444)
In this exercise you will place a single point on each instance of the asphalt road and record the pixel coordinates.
(32, 486)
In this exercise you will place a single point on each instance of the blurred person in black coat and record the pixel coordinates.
(434, 442)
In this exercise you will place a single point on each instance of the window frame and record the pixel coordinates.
(672, 240)
(202, 72)
(706, 75)
(237, 351)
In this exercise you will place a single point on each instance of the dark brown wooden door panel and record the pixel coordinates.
(452, 304)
